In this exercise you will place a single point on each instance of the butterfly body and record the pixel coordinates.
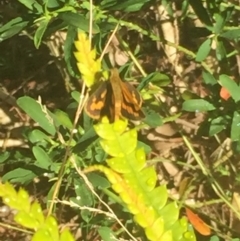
(115, 99)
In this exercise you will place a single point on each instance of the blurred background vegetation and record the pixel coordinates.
(182, 55)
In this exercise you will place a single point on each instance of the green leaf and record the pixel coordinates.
(184, 9)
(217, 125)
(79, 21)
(12, 28)
(40, 235)
(170, 213)
(86, 140)
(11, 200)
(32, 5)
(37, 136)
(98, 181)
(157, 78)
(34, 110)
(37, 212)
(7, 190)
(204, 50)
(221, 18)
(220, 51)
(23, 200)
(43, 160)
(141, 145)
(109, 132)
(52, 227)
(26, 220)
(100, 154)
(153, 119)
(129, 5)
(50, 194)
(83, 192)
(122, 145)
(231, 86)
(135, 160)
(40, 32)
(143, 219)
(63, 119)
(197, 105)
(66, 236)
(180, 228)
(76, 96)
(106, 234)
(215, 238)
(68, 52)
(201, 12)
(53, 4)
(231, 34)
(108, 3)
(19, 175)
(10, 24)
(235, 128)
(188, 95)
(208, 78)
(85, 214)
(136, 184)
(220, 22)
(147, 177)
(156, 227)
(4, 156)
(159, 197)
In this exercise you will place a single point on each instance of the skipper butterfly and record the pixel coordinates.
(115, 99)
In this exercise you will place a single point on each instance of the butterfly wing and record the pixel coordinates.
(131, 102)
(96, 101)
(101, 102)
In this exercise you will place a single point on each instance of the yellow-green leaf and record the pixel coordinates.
(135, 160)
(26, 220)
(155, 231)
(123, 145)
(109, 131)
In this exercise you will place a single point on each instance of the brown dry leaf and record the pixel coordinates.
(170, 32)
(166, 130)
(172, 169)
(116, 55)
(236, 204)
(236, 200)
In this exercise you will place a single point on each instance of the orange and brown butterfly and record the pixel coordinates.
(115, 99)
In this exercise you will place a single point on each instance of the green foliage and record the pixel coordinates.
(136, 184)
(216, 18)
(197, 105)
(232, 87)
(52, 142)
(34, 110)
(30, 215)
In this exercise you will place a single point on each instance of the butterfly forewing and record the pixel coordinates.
(97, 101)
(131, 103)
